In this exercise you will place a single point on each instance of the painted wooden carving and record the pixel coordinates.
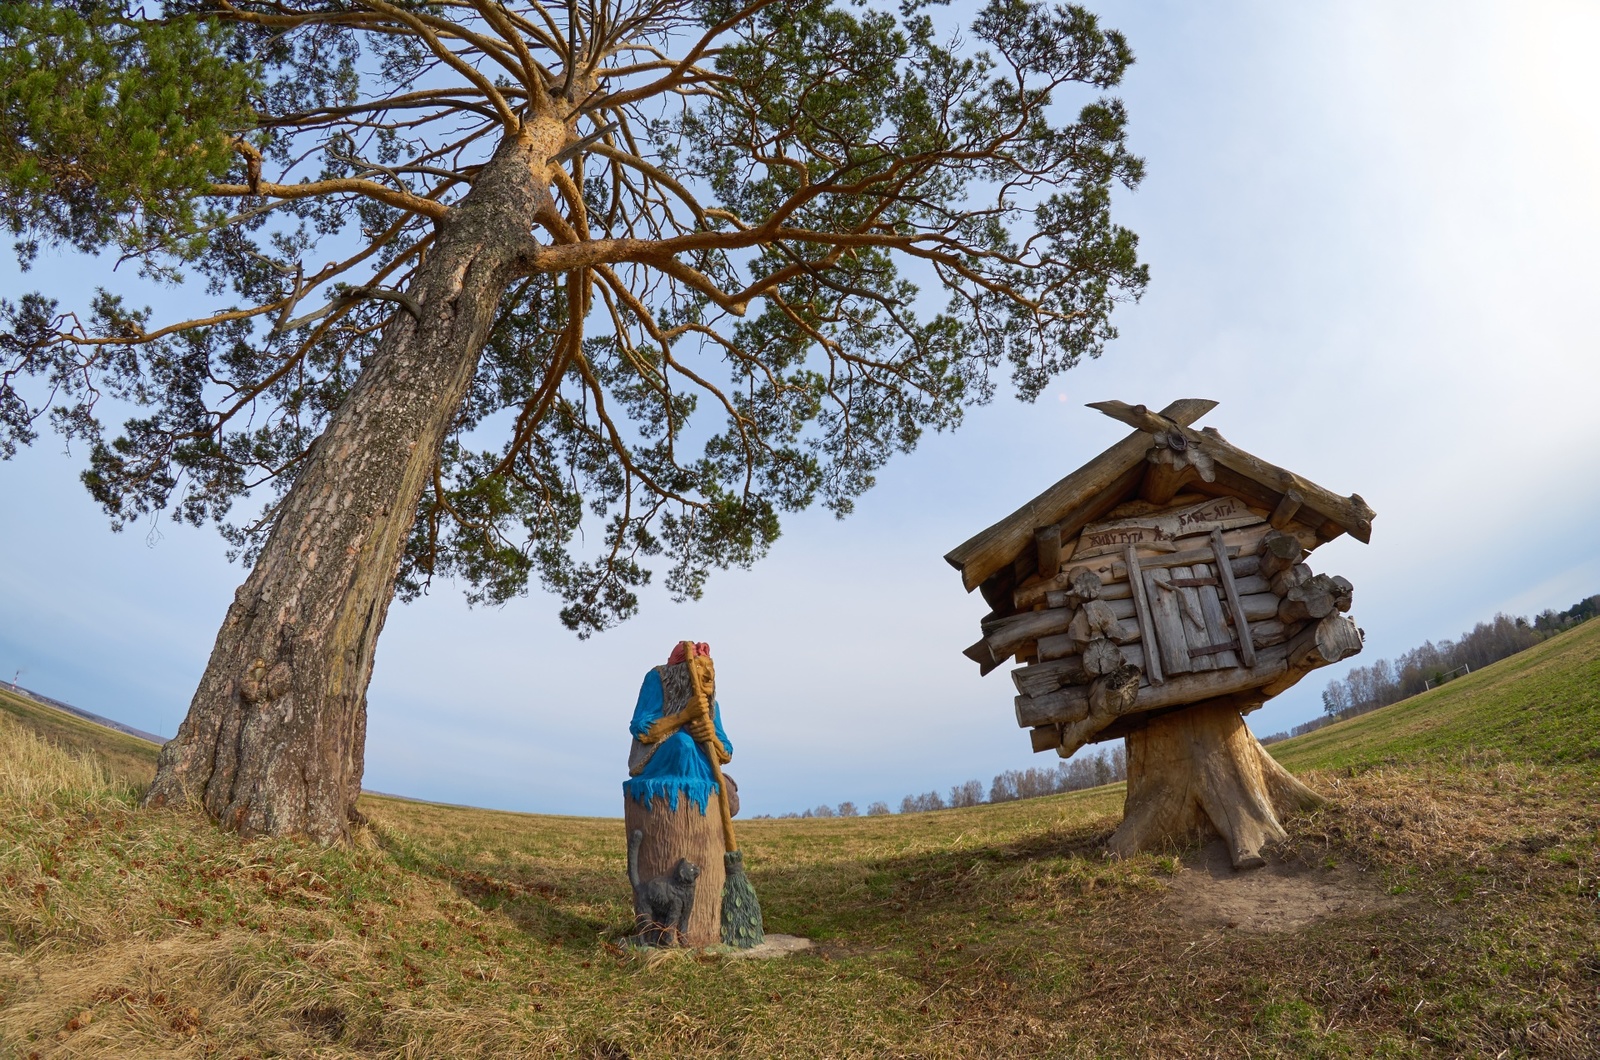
(1159, 593)
(684, 866)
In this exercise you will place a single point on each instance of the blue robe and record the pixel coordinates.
(679, 763)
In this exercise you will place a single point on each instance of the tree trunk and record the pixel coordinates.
(687, 832)
(1199, 772)
(273, 741)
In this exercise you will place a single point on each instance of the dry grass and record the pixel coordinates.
(31, 767)
(128, 759)
(994, 931)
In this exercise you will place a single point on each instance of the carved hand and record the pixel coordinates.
(661, 728)
(705, 734)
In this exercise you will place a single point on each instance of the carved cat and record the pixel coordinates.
(662, 904)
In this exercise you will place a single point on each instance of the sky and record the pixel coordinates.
(1373, 238)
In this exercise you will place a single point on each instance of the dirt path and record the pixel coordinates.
(1282, 896)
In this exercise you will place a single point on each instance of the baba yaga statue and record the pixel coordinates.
(689, 886)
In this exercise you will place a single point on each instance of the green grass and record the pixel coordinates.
(1000, 930)
(1541, 705)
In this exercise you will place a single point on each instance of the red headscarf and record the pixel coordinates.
(702, 650)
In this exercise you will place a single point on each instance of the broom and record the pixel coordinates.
(741, 910)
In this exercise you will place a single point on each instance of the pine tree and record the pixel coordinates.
(480, 283)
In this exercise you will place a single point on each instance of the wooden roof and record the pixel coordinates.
(1123, 472)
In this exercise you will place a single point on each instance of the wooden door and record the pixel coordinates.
(1192, 629)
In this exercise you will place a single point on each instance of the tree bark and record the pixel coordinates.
(273, 741)
(1200, 772)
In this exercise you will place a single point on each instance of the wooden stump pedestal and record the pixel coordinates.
(686, 832)
(1200, 772)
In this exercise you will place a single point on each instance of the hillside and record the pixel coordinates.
(1540, 705)
(128, 758)
(1442, 903)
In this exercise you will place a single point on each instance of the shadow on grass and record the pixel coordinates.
(871, 898)
(535, 906)
(878, 900)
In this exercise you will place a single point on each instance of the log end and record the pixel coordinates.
(1045, 738)
(980, 654)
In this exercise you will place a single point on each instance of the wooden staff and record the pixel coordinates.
(702, 701)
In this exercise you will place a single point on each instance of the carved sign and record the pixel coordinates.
(1159, 531)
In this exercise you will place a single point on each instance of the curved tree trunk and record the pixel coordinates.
(273, 741)
(1200, 772)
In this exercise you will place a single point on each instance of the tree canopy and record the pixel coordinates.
(777, 242)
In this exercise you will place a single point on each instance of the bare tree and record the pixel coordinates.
(928, 800)
(968, 794)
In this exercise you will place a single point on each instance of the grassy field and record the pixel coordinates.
(1538, 706)
(127, 758)
(1456, 865)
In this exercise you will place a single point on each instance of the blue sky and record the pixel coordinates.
(1373, 237)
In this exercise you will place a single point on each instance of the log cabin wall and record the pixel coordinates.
(1169, 560)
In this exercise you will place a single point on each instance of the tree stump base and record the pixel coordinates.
(1200, 772)
(687, 832)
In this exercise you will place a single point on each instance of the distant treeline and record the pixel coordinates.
(1362, 689)
(1370, 687)
(1085, 771)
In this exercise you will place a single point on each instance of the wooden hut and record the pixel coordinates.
(1159, 593)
